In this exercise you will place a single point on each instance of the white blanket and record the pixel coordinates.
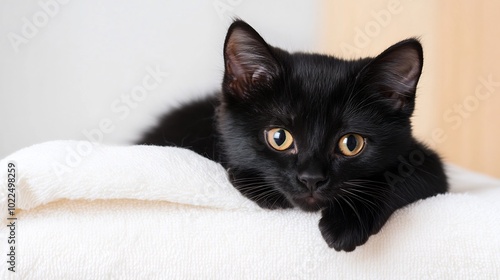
(142, 212)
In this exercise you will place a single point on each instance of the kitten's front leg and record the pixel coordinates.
(349, 224)
(253, 186)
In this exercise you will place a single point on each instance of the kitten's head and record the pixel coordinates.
(306, 124)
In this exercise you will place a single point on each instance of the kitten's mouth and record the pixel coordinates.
(310, 202)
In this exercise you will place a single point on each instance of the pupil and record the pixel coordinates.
(279, 137)
(352, 143)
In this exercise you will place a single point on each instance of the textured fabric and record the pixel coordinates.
(142, 212)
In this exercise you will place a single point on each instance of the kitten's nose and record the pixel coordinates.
(312, 179)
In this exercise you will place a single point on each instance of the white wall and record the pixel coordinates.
(67, 67)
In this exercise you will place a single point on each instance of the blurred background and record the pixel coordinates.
(94, 70)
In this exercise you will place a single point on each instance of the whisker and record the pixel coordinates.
(380, 194)
(359, 197)
(355, 212)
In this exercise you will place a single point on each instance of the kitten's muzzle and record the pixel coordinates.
(312, 179)
(309, 201)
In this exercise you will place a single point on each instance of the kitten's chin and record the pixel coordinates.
(308, 202)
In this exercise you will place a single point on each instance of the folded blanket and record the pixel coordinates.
(141, 212)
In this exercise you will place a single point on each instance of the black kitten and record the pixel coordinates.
(314, 131)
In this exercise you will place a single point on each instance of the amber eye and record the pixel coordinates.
(279, 139)
(351, 144)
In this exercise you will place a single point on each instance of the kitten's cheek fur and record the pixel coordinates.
(261, 193)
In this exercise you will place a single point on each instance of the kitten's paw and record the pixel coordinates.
(342, 236)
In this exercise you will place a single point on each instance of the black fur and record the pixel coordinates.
(318, 99)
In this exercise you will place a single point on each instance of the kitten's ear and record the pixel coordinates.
(395, 73)
(248, 61)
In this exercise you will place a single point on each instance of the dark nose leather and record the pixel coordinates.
(312, 179)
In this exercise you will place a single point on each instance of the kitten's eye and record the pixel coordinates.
(351, 144)
(279, 139)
